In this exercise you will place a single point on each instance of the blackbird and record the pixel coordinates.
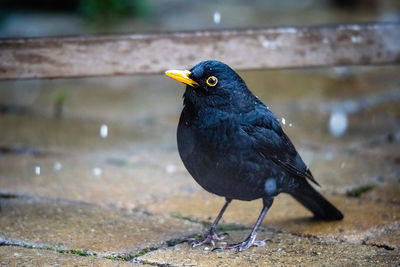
(234, 147)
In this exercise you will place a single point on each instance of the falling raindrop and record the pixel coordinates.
(217, 17)
(57, 166)
(170, 168)
(103, 131)
(37, 170)
(338, 123)
(283, 121)
(97, 171)
(290, 124)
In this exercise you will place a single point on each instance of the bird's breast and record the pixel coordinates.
(219, 156)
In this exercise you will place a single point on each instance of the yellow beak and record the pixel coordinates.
(181, 76)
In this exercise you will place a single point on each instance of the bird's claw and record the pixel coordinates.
(210, 238)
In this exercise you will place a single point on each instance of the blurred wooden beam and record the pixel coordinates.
(282, 47)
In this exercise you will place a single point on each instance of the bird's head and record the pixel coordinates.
(213, 83)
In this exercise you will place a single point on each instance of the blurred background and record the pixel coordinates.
(20, 18)
(104, 139)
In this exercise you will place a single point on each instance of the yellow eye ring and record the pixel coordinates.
(212, 81)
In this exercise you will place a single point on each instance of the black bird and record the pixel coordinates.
(234, 147)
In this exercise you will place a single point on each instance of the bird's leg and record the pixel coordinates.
(211, 236)
(251, 240)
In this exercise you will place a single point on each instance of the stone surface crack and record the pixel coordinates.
(29, 245)
(386, 247)
(128, 257)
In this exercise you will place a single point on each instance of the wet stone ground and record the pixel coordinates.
(74, 192)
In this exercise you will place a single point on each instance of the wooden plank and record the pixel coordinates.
(283, 47)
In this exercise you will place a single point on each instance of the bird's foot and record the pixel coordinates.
(210, 238)
(245, 244)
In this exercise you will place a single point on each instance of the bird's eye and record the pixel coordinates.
(212, 81)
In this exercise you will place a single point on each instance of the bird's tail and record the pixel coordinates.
(316, 203)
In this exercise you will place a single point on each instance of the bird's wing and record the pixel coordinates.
(271, 142)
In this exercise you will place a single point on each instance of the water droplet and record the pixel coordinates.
(342, 165)
(338, 123)
(217, 17)
(290, 124)
(57, 166)
(97, 171)
(170, 168)
(37, 170)
(283, 121)
(103, 131)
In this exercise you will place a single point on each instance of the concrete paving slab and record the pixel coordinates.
(128, 182)
(283, 249)
(338, 170)
(360, 216)
(74, 225)
(18, 256)
(386, 237)
(139, 177)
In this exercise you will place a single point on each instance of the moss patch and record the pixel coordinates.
(185, 218)
(129, 257)
(79, 252)
(358, 191)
